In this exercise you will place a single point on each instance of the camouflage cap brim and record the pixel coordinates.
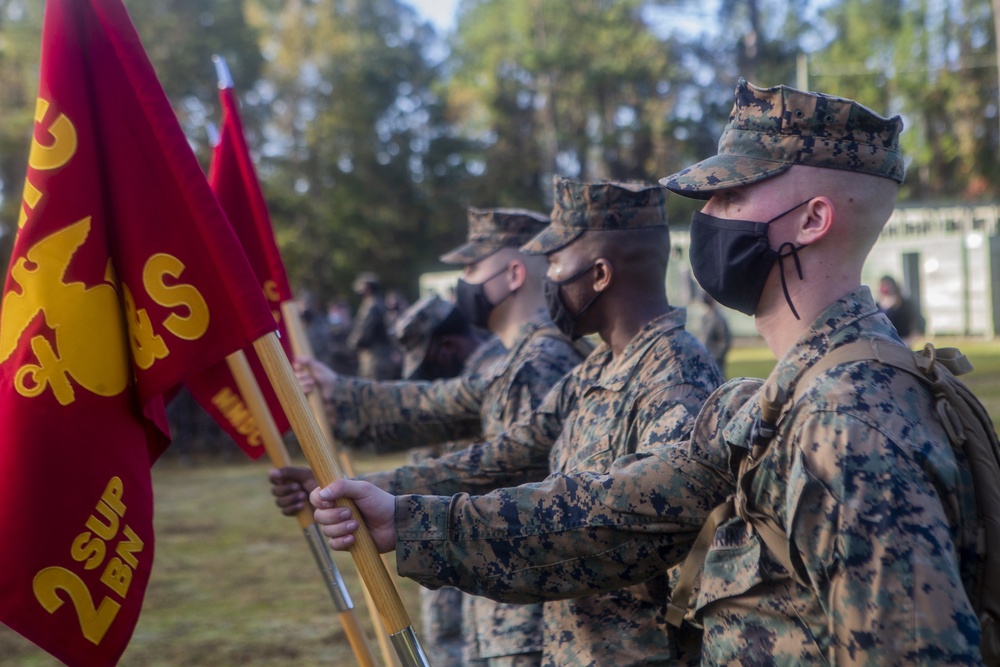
(472, 252)
(771, 129)
(550, 239)
(720, 172)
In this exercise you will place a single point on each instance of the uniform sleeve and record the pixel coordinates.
(568, 536)
(575, 534)
(871, 536)
(398, 415)
(517, 456)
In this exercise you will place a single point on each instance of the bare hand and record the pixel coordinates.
(378, 510)
(311, 374)
(291, 487)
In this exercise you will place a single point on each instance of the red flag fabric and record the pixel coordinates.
(125, 279)
(235, 184)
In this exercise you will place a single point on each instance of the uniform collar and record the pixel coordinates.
(844, 321)
(538, 321)
(614, 378)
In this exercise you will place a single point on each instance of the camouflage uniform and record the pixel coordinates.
(879, 509)
(604, 411)
(399, 415)
(606, 408)
(505, 393)
(877, 503)
(415, 330)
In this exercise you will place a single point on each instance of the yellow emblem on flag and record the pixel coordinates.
(86, 323)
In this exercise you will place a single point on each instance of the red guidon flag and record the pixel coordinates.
(234, 181)
(125, 280)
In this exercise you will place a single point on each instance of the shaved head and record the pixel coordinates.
(637, 254)
(863, 202)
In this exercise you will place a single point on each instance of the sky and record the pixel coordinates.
(439, 12)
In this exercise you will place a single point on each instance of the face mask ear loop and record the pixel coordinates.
(794, 254)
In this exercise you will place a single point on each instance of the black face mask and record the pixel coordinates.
(564, 320)
(731, 259)
(471, 301)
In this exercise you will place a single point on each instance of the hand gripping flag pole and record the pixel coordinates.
(302, 348)
(366, 557)
(235, 183)
(278, 454)
(233, 177)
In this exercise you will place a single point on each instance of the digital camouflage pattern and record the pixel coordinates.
(608, 410)
(601, 411)
(602, 206)
(441, 610)
(770, 129)
(396, 416)
(880, 513)
(399, 415)
(491, 229)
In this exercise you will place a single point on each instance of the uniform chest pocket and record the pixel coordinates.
(598, 461)
(581, 453)
(733, 564)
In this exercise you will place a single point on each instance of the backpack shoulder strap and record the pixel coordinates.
(774, 404)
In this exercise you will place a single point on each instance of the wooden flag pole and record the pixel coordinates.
(366, 557)
(301, 347)
(276, 451)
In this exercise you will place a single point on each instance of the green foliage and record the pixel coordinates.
(938, 70)
(553, 87)
(358, 145)
(20, 25)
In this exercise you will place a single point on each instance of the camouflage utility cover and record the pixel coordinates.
(416, 327)
(770, 129)
(602, 206)
(606, 408)
(880, 514)
(491, 229)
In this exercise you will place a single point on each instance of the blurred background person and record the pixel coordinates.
(369, 338)
(901, 311)
(342, 358)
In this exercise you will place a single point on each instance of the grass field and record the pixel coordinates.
(984, 380)
(234, 582)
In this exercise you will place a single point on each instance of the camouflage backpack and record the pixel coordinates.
(969, 430)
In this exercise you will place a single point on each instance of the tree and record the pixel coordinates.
(359, 163)
(570, 87)
(939, 72)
